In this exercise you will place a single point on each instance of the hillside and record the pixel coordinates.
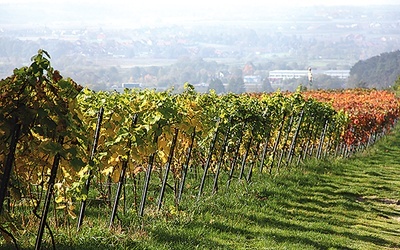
(376, 72)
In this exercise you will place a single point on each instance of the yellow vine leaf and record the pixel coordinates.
(58, 185)
(163, 157)
(115, 176)
(59, 199)
(107, 171)
(113, 159)
(71, 213)
(67, 175)
(82, 172)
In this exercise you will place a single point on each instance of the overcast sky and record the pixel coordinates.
(210, 2)
(152, 11)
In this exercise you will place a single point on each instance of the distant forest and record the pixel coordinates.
(376, 72)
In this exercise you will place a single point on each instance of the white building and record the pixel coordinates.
(280, 75)
(286, 74)
(342, 74)
(131, 85)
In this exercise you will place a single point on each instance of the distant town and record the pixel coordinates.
(270, 50)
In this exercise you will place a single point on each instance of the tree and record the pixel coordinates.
(236, 85)
(361, 85)
(216, 84)
(376, 72)
(236, 72)
(113, 75)
(266, 85)
(136, 72)
(396, 85)
(323, 81)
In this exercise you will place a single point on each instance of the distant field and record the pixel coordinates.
(147, 62)
(134, 62)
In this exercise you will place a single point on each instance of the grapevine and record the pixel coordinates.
(41, 104)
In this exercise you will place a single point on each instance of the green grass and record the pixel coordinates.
(333, 204)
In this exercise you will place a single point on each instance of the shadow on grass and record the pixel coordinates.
(85, 246)
(338, 193)
(179, 239)
(307, 242)
(299, 229)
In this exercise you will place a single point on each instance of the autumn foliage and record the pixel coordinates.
(370, 111)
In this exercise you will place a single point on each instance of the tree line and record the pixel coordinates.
(379, 72)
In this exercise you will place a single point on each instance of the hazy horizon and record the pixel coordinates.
(152, 12)
(207, 2)
(104, 43)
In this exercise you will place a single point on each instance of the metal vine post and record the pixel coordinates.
(186, 166)
(9, 162)
(221, 156)
(121, 179)
(49, 193)
(212, 146)
(92, 153)
(167, 168)
(147, 179)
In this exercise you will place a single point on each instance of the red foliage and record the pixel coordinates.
(370, 111)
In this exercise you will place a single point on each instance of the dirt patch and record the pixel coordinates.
(386, 201)
(360, 199)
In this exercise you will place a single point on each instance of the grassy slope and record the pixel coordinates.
(336, 204)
